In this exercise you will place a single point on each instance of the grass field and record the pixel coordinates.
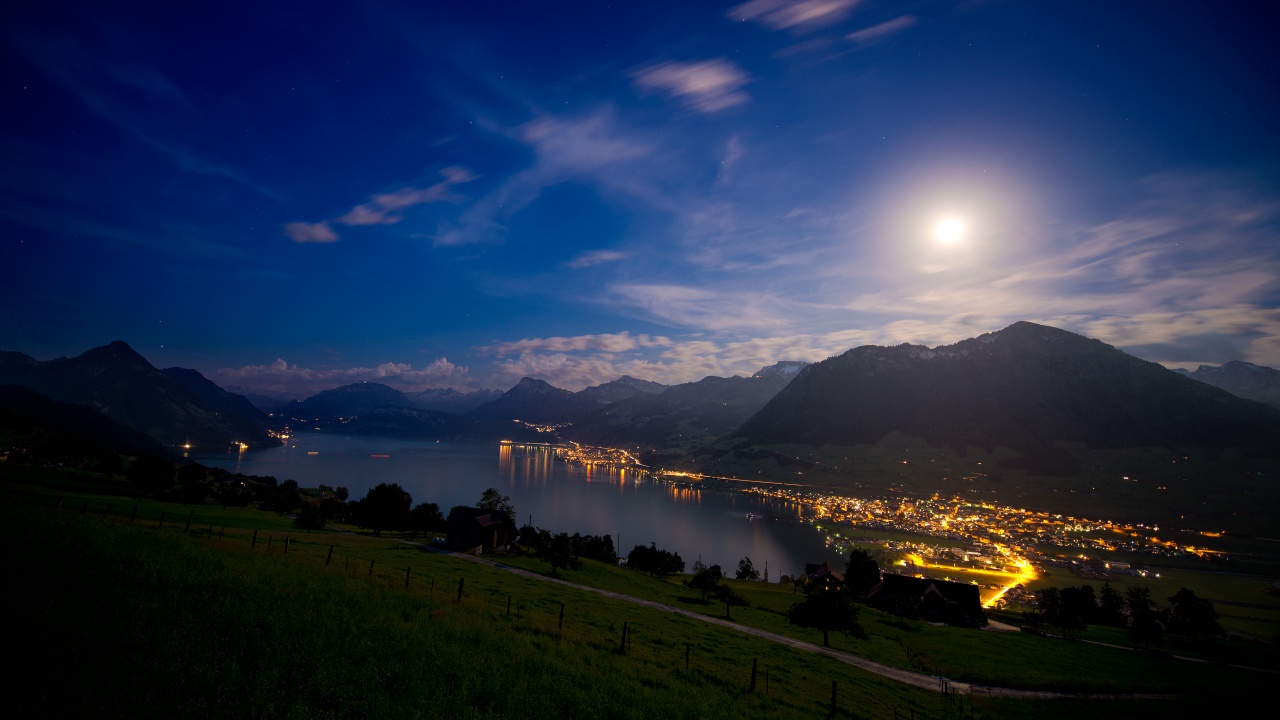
(138, 621)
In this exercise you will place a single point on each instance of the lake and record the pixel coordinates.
(720, 527)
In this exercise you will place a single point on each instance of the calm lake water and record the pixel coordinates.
(559, 496)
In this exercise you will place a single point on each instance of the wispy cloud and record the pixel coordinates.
(702, 309)
(384, 209)
(796, 15)
(608, 342)
(596, 257)
(304, 232)
(876, 33)
(590, 148)
(285, 380)
(707, 86)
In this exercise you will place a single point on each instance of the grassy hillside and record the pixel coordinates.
(122, 619)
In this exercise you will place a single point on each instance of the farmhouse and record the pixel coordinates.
(477, 531)
(930, 599)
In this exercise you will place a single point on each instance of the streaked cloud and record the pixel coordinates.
(707, 86)
(876, 33)
(793, 14)
(282, 379)
(384, 209)
(609, 342)
(596, 257)
(304, 232)
(703, 309)
(591, 148)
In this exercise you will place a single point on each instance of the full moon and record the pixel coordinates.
(949, 231)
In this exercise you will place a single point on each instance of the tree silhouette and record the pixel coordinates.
(384, 507)
(861, 573)
(705, 580)
(746, 571)
(729, 597)
(491, 499)
(1194, 616)
(827, 609)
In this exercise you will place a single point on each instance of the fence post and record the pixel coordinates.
(753, 674)
(833, 697)
(623, 645)
(686, 656)
(286, 544)
(220, 531)
(270, 541)
(406, 576)
(560, 626)
(161, 525)
(329, 556)
(189, 516)
(508, 605)
(460, 582)
(370, 568)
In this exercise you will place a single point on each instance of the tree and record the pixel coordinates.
(558, 551)
(1144, 627)
(729, 597)
(385, 507)
(342, 493)
(1110, 607)
(309, 518)
(192, 473)
(747, 571)
(1194, 616)
(425, 518)
(861, 573)
(491, 499)
(656, 562)
(825, 610)
(705, 580)
(150, 474)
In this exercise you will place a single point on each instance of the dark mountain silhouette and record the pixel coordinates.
(38, 427)
(121, 384)
(620, 389)
(1023, 387)
(1242, 379)
(681, 414)
(345, 401)
(534, 401)
(227, 403)
(451, 401)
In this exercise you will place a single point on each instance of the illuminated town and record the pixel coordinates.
(1000, 548)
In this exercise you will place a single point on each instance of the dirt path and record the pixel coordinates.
(907, 677)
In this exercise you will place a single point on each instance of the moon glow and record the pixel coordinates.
(949, 230)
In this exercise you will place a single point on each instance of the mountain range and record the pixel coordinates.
(1025, 387)
(1241, 379)
(174, 407)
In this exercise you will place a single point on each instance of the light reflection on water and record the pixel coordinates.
(596, 499)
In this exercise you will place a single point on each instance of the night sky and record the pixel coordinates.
(292, 196)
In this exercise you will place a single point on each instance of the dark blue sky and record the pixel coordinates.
(290, 196)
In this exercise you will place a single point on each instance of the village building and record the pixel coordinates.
(930, 599)
(476, 531)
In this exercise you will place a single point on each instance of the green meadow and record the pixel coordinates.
(115, 615)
